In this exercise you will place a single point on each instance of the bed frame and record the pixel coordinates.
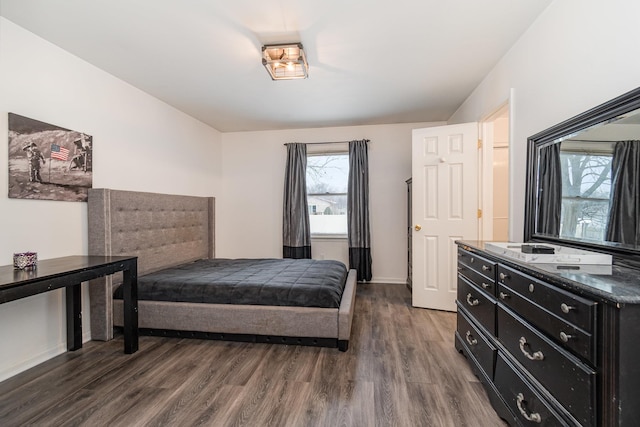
(167, 230)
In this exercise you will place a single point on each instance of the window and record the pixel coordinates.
(586, 185)
(327, 176)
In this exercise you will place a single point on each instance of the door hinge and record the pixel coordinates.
(479, 213)
(479, 144)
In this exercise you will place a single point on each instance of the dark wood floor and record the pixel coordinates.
(401, 370)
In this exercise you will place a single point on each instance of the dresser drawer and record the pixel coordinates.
(528, 405)
(564, 334)
(476, 343)
(487, 284)
(576, 310)
(481, 265)
(478, 304)
(567, 379)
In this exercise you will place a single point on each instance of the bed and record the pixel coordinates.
(168, 232)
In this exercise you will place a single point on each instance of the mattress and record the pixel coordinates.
(279, 282)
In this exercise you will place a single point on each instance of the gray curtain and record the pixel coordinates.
(624, 206)
(296, 234)
(550, 191)
(358, 210)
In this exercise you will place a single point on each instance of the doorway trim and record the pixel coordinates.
(485, 167)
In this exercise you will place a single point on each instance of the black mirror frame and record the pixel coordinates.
(622, 104)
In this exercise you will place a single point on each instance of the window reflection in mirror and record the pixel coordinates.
(586, 188)
(576, 181)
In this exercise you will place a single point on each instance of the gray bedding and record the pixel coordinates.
(279, 282)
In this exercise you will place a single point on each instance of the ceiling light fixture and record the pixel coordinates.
(285, 61)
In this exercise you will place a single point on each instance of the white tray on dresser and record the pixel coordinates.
(562, 255)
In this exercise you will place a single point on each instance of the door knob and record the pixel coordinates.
(418, 227)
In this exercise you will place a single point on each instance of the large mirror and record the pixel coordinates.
(583, 180)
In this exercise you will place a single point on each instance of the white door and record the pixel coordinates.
(444, 209)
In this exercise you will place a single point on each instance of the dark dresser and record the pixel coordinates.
(551, 346)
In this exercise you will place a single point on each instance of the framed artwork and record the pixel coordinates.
(47, 162)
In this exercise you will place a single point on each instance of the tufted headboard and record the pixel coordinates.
(162, 230)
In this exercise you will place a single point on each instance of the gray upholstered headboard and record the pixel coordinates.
(162, 230)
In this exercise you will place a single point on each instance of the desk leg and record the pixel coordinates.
(130, 302)
(74, 317)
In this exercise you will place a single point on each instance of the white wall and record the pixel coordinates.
(140, 143)
(578, 54)
(250, 209)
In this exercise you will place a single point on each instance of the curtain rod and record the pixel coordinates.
(599, 140)
(588, 140)
(327, 142)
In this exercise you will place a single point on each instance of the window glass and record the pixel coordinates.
(327, 177)
(586, 185)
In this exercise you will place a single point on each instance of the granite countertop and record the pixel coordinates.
(617, 284)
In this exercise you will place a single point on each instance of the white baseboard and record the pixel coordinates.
(39, 358)
(33, 361)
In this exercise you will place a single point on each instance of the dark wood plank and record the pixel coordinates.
(401, 369)
(95, 377)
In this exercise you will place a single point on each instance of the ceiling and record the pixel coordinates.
(380, 62)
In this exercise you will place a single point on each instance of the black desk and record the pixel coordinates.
(69, 272)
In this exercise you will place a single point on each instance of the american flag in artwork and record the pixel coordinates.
(58, 152)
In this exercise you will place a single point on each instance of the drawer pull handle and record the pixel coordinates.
(472, 302)
(537, 355)
(485, 268)
(503, 295)
(503, 276)
(564, 337)
(470, 339)
(486, 285)
(566, 308)
(534, 416)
